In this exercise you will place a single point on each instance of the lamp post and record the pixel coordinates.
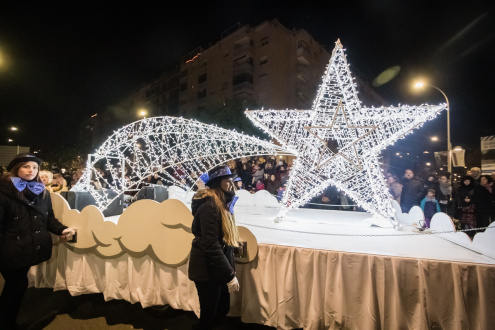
(449, 145)
(14, 129)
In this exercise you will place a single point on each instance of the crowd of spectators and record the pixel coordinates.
(471, 201)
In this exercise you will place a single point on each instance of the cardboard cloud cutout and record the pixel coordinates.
(160, 230)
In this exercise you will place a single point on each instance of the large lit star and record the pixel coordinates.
(338, 141)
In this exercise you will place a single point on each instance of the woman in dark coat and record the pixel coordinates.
(485, 198)
(465, 201)
(272, 185)
(26, 218)
(211, 263)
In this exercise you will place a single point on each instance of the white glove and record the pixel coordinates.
(233, 285)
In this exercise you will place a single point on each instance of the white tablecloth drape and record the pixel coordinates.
(291, 287)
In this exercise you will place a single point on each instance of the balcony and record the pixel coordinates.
(244, 49)
(303, 55)
(303, 73)
(245, 67)
(245, 86)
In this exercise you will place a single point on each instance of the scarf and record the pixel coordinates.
(446, 188)
(34, 186)
(430, 199)
(231, 199)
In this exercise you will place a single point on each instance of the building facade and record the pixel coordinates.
(267, 66)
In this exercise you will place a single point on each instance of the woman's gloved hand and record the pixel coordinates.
(233, 285)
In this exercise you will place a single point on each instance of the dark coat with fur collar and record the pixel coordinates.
(25, 228)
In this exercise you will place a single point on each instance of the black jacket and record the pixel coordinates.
(412, 192)
(211, 259)
(465, 191)
(485, 200)
(24, 228)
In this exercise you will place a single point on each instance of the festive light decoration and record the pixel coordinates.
(178, 150)
(338, 141)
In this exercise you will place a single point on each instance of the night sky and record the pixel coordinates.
(64, 61)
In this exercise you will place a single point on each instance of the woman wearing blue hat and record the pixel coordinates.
(26, 220)
(211, 263)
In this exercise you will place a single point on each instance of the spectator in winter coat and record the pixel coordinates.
(412, 192)
(430, 206)
(26, 220)
(47, 177)
(59, 184)
(485, 201)
(260, 185)
(394, 187)
(272, 185)
(238, 184)
(465, 202)
(282, 175)
(444, 194)
(476, 175)
(211, 263)
(430, 183)
(245, 175)
(280, 192)
(257, 173)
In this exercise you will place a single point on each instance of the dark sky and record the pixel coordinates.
(68, 60)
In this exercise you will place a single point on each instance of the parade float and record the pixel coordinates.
(303, 268)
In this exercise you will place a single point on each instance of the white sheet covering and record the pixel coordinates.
(291, 287)
(307, 280)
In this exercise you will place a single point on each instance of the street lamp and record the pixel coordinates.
(143, 113)
(420, 85)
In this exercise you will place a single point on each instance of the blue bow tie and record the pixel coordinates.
(34, 186)
(232, 204)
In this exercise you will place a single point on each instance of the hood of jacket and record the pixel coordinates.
(469, 186)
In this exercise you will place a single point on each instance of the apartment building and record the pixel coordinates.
(267, 66)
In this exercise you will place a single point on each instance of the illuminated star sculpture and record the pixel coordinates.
(177, 150)
(338, 141)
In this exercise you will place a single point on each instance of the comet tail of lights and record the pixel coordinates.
(178, 149)
(338, 141)
(192, 59)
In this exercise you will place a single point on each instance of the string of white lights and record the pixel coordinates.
(178, 149)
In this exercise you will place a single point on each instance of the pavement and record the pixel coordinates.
(46, 309)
